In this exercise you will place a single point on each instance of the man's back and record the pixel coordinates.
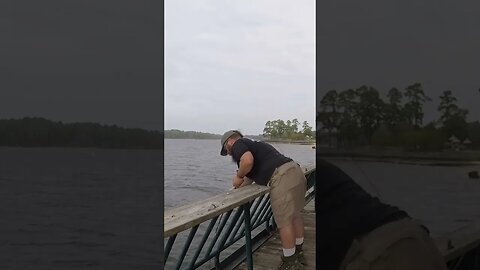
(344, 211)
(266, 158)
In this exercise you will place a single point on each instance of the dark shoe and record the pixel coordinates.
(290, 263)
(299, 253)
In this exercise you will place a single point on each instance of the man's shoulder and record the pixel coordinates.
(240, 145)
(251, 140)
(246, 140)
(247, 144)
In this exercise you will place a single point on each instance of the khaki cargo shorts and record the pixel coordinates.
(402, 245)
(287, 194)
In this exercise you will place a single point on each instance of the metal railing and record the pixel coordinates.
(243, 219)
(461, 249)
(469, 260)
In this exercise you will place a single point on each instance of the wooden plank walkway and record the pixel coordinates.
(267, 257)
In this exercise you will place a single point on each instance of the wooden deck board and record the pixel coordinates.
(267, 257)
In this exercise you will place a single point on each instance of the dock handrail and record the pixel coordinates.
(461, 248)
(188, 216)
(238, 215)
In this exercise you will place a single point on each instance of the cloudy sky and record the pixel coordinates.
(86, 61)
(389, 44)
(237, 64)
(228, 64)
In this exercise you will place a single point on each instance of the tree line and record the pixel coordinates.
(290, 129)
(40, 132)
(361, 117)
(180, 134)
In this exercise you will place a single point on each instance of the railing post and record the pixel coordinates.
(248, 236)
(314, 192)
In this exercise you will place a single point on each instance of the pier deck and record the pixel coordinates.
(267, 257)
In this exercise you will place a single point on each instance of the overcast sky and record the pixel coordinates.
(389, 44)
(87, 61)
(228, 64)
(237, 64)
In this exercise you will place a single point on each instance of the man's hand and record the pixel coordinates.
(237, 181)
(246, 181)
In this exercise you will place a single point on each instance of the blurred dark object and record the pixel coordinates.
(473, 175)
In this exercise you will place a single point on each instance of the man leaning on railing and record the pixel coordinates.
(262, 163)
(356, 231)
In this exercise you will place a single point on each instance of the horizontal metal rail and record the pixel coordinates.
(222, 231)
(461, 249)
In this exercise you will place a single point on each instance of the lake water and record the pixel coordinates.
(80, 208)
(194, 169)
(443, 198)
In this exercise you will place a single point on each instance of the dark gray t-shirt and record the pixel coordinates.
(265, 159)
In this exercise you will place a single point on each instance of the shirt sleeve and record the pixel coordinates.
(238, 149)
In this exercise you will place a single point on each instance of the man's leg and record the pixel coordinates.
(299, 237)
(300, 203)
(298, 226)
(290, 258)
(287, 236)
(285, 202)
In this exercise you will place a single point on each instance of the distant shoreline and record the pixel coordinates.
(303, 142)
(420, 162)
(443, 158)
(32, 132)
(263, 140)
(80, 148)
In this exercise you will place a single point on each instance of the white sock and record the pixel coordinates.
(287, 252)
(298, 241)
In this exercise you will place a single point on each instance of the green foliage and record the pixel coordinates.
(453, 118)
(329, 115)
(307, 130)
(356, 117)
(423, 140)
(40, 132)
(180, 134)
(383, 136)
(393, 115)
(351, 111)
(369, 110)
(413, 109)
(473, 130)
(279, 129)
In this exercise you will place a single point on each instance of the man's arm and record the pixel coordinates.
(244, 167)
(246, 164)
